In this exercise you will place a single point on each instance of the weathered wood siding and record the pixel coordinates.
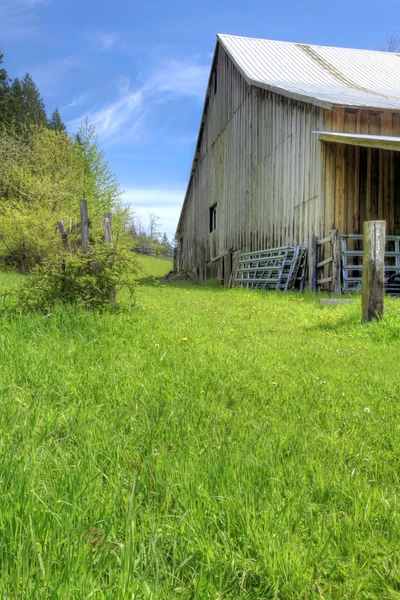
(361, 184)
(262, 165)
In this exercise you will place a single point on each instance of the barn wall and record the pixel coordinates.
(361, 183)
(261, 164)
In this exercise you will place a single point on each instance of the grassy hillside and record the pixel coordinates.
(203, 443)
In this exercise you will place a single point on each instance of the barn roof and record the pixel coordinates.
(321, 75)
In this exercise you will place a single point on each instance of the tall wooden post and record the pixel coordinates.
(108, 216)
(373, 279)
(84, 224)
(107, 229)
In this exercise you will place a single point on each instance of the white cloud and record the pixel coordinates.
(165, 203)
(123, 119)
(118, 121)
(183, 78)
(105, 39)
(76, 101)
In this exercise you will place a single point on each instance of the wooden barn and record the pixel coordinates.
(295, 141)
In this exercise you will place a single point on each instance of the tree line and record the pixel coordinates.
(149, 240)
(45, 172)
(21, 105)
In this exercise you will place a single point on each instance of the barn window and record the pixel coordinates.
(215, 82)
(213, 218)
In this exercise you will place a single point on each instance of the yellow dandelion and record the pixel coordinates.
(185, 339)
(274, 383)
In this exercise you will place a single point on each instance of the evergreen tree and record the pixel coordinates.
(34, 112)
(16, 105)
(164, 240)
(4, 95)
(56, 123)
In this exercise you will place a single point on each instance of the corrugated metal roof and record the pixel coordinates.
(357, 139)
(324, 76)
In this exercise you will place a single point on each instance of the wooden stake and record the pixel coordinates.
(373, 279)
(84, 224)
(107, 229)
(63, 233)
(108, 216)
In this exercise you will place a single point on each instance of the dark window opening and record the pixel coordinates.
(215, 82)
(213, 218)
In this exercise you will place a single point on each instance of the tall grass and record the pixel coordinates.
(204, 443)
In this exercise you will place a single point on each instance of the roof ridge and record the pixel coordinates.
(245, 37)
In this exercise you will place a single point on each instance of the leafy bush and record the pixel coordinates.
(43, 175)
(91, 280)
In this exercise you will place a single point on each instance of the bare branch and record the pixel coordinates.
(391, 42)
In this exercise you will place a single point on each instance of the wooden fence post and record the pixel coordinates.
(108, 216)
(84, 224)
(373, 276)
(63, 233)
(107, 229)
(336, 283)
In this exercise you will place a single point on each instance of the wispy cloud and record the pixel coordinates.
(18, 18)
(165, 203)
(104, 39)
(184, 78)
(51, 76)
(117, 121)
(124, 118)
(76, 101)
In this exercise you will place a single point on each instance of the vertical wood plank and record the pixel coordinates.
(356, 216)
(339, 187)
(368, 198)
(336, 284)
(392, 194)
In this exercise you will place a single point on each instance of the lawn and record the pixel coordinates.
(202, 443)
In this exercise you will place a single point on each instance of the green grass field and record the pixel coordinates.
(203, 443)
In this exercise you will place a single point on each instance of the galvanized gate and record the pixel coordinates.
(274, 269)
(352, 259)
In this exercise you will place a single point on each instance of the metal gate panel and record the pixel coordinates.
(352, 259)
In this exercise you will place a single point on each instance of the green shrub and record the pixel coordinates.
(91, 280)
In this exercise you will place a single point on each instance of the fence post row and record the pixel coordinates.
(83, 227)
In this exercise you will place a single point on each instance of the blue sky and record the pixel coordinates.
(139, 69)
